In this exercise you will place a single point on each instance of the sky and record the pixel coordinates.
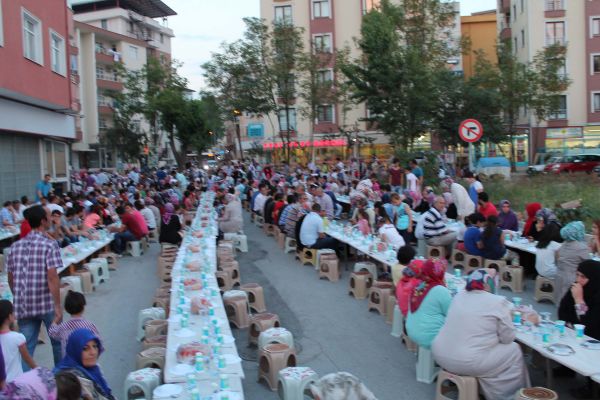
(201, 26)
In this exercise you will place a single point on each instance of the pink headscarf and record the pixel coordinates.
(168, 212)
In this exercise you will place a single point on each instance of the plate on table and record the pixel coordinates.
(560, 349)
(591, 344)
(185, 332)
(232, 359)
(182, 369)
(168, 390)
(226, 394)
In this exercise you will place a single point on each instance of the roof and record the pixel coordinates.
(148, 8)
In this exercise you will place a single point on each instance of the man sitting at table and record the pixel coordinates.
(434, 228)
(312, 232)
(473, 234)
(486, 208)
(131, 229)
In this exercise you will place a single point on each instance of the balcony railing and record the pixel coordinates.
(555, 5)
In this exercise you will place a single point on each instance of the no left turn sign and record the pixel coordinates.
(470, 130)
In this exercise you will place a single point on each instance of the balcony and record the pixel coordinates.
(506, 33)
(105, 110)
(505, 6)
(109, 84)
(555, 9)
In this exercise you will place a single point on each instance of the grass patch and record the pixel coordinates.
(549, 190)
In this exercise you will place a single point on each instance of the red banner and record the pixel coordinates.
(306, 143)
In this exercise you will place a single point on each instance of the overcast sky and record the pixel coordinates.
(200, 26)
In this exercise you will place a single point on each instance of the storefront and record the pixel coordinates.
(565, 140)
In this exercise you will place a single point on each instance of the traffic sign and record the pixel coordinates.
(470, 130)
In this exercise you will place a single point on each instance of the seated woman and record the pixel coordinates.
(170, 225)
(572, 252)
(546, 255)
(492, 240)
(478, 340)
(81, 359)
(507, 219)
(231, 221)
(407, 282)
(429, 302)
(529, 227)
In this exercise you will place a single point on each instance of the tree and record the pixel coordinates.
(403, 46)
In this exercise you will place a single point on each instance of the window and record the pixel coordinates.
(283, 15)
(283, 123)
(522, 6)
(522, 37)
(516, 45)
(321, 9)
(596, 102)
(322, 43)
(561, 111)
(57, 53)
(514, 12)
(99, 72)
(555, 33)
(324, 76)
(325, 113)
(162, 38)
(56, 159)
(104, 24)
(32, 37)
(595, 26)
(555, 5)
(102, 124)
(368, 5)
(133, 51)
(74, 66)
(1, 27)
(595, 63)
(287, 88)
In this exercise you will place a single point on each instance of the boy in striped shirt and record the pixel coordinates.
(74, 305)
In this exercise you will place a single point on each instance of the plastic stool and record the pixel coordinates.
(269, 229)
(368, 266)
(421, 247)
(275, 335)
(143, 380)
(472, 263)
(436, 252)
(145, 244)
(156, 327)
(156, 341)
(322, 252)
(397, 323)
(458, 259)
(329, 267)
(389, 309)
(256, 297)
(498, 265)
(111, 258)
(98, 271)
(280, 239)
(536, 393)
(134, 248)
(87, 282)
(259, 220)
(153, 357)
(260, 323)
(426, 369)
(307, 255)
(153, 235)
(466, 385)
(236, 308)
(540, 284)
(74, 281)
(146, 315)
(290, 245)
(241, 242)
(272, 359)
(512, 278)
(294, 381)
(163, 302)
(360, 283)
(224, 280)
(378, 296)
(234, 272)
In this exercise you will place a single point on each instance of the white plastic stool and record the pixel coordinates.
(259, 221)
(240, 241)
(426, 369)
(144, 380)
(397, 323)
(290, 245)
(145, 243)
(275, 335)
(134, 248)
(421, 247)
(74, 281)
(369, 266)
(293, 382)
(99, 272)
(146, 315)
(320, 253)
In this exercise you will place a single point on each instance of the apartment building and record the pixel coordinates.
(481, 30)
(38, 98)
(532, 25)
(124, 32)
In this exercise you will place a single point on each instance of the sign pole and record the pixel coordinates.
(471, 157)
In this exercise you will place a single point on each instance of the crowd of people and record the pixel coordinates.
(388, 200)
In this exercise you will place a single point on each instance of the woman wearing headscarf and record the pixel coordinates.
(170, 225)
(36, 384)
(231, 221)
(478, 339)
(428, 303)
(531, 209)
(507, 219)
(81, 359)
(407, 283)
(573, 251)
(581, 305)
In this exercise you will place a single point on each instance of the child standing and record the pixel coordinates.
(14, 345)
(74, 305)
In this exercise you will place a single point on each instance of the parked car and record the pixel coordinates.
(540, 163)
(597, 170)
(576, 163)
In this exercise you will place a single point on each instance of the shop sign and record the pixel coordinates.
(306, 143)
(564, 133)
(256, 130)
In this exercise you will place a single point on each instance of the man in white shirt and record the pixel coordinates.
(312, 232)
(325, 201)
(412, 182)
(261, 199)
(147, 214)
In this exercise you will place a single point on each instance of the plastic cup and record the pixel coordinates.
(517, 318)
(516, 301)
(579, 328)
(223, 382)
(457, 272)
(560, 327)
